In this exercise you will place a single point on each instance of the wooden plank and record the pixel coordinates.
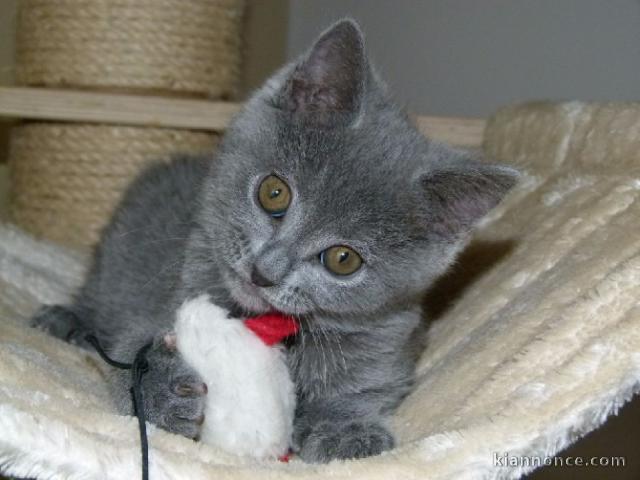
(461, 132)
(149, 111)
(92, 107)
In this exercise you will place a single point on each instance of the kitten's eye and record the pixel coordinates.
(274, 196)
(341, 260)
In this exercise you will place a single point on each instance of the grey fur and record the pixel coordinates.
(361, 175)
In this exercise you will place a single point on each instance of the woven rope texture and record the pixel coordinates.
(67, 178)
(172, 46)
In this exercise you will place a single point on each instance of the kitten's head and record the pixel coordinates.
(325, 199)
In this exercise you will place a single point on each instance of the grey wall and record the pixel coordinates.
(468, 57)
(265, 44)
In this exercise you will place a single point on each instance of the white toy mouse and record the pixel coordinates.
(250, 406)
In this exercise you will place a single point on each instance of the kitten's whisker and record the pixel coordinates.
(164, 269)
(139, 229)
(344, 359)
(318, 342)
(160, 240)
(336, 337)
(304, 325)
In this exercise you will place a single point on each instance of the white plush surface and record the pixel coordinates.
(252, 401)
(536, 351)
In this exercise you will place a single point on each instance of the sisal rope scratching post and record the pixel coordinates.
(66, 178)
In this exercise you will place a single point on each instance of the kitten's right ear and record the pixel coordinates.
(459, 194)
(331, 77)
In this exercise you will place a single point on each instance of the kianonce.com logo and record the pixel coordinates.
(507, 460)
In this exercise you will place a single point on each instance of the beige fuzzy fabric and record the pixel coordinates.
(537, 343)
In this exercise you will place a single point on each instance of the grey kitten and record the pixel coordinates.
(323, 201)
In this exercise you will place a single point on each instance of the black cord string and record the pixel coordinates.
(138, 368)
(96, 344)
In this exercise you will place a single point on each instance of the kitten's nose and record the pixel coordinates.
(271, 266)
(259, 279)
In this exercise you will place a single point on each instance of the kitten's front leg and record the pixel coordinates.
(174, 394)
(345, 427)
(350, 381)
(343, 439)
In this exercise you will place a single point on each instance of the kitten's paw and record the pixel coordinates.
(328, 441)
(61, 322)
(174, 394)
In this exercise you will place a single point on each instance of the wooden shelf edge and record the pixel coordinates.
(152, 111)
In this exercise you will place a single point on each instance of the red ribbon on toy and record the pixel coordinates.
(272, 327)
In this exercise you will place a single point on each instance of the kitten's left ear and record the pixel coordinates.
(459, 194)
(331, 77)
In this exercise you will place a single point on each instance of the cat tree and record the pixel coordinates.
(67, 177)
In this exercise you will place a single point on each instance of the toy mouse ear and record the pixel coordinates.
(458, 195)
(330, 78)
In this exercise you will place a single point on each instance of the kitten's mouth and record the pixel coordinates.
(246, 295)
(252, 298)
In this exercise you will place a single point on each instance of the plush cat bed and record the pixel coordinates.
(536, 342)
